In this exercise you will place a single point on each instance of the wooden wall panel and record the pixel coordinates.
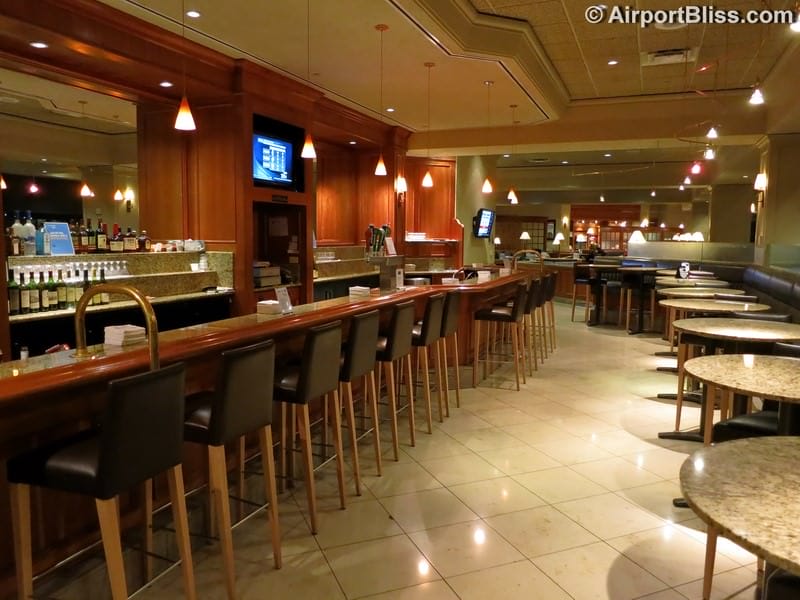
(337, 197)
(5, 337)
(376, 197)
(432, 209)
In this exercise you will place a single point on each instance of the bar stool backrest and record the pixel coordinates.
(452, 305)
(550, 287)
(535, 290)
(432, 321)
(359, 351)
(398, 338)
(541, 295)
(319, 371)
(519, 301)
(141, 431)
(243, 396)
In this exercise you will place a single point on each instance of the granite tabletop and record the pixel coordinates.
(702, 282)
(772, 377)
(692, 274)
(696, 292)
(740, 329)
(711, 305)
(749, 490)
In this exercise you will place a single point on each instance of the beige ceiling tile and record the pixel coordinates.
(603, 31)
(578, 92)
(546, 13)
(563, 51)
(652, 39)
(609, 89)
(554, 34)
(570, 66)
(616, 47)
(519, 13)
(662, 71)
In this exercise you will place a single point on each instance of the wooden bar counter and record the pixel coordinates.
(49, 397)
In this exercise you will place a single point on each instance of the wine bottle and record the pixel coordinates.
(91, 235)
(83, 242)
(86, 283)
(102, 237)
(13, 294)
(105, 297)
(44, 293)
(52, 292)
(73, 233)
(24, 295)
(61, 291)
(71, 287)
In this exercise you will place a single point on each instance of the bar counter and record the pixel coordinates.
(49, 397)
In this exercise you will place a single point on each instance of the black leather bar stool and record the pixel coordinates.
(549, 308)
(395, 345)
(140, 436)
(501, 314)
(358, 360)
(540, 323)
(536, 291)
(425, 336)
(581, 278)
(296, 385)
(452, 306)
(240, 403)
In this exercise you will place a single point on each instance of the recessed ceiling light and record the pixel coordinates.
(166, 84)
(607, 155)
(564, 162)
(613, 62)
(506, 156)
(352, 142)
(39, 45)
(390, 109)
(193, 14)
(652, 193)
(745, 176)
(44, 170)
(44, 160)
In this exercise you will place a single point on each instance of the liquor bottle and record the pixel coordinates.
(130, 243)
(42, 241)
(76, 240)
(61, 291)
(83, 242)
(71, 286)
(18, 229)
(102, 236)
(29, 236)
(13, 294)
(33, 289)
(115, 244)
(93, 281)
(105, 297)
(52, 292)
(13, 243)
(24, 295)
(44, 293)
(144, 242)
(86, 283)
(92, 237)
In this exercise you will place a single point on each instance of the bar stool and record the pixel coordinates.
(240, 403)
(611, 280)
(540, 322)
(395, 345)
(630, 288)
(452, 306)
(358, 360)
(549, 312)
(501, 314)
(425, 336)
(585, 281)
(140, 436)
(535, 292)
(316, 376)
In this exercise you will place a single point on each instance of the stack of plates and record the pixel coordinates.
(124, 335)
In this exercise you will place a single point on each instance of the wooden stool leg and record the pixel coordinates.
(304, 428)
(487, 355)
(628, 311)
(392, 400)
(147, 526)
(604, 316)
(518, 346)
(475, 349)
(108, 516)
(457, 368)
(347, 398)
(241, 455)
(515, 342)
(218, 484)
(653, 309)
(574, 298)
(445, 376)
(372, 400)
(437, 365)
(410, 389)
(20, 496)
(621, 310)
(586, 300)
(708, 569)
(268, 465)
(552, 313)
(426, 386)
(179, 515)
(336, 411)
(282, 449)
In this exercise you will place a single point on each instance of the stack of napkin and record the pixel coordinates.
(358, 291)
(124, 335)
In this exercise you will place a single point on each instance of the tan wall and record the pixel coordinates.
(470, 173)
(729, 213)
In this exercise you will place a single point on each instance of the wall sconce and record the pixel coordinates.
(400, 185)
(497, 241)
(129, 197)
(760, 184)
(565, 221)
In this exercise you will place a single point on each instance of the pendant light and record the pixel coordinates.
(184, 121)
(380, 168)
(118, 197)
(427, 181)
(709, 153)
(757, 97)
(86, 191)
(512, 194)
(308, 145)
(712, 133)
(3, 185)
(487, 188)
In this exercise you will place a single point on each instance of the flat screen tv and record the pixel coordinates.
(276, 154)
(482, 223)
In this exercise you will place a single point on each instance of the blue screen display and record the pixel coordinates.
(272, 160)
(483, 223)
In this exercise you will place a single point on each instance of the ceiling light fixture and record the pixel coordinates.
(602, 198)
(33, 188)
(3, 185)
(564, 162)
(86, 191)
(352, 142)
(607, 154)
(192, 14)
(652, 193)
(39, 45)
(687, 180)
(427, 180)
(380, 167)
(709, 153)
(512, 194)
(390, 109)
(696, 168)
(118, 195)
(756, 97)
(184, 121)
(712, 133)
(645, 223)
(308, 144)
(613, 62)
(166, 84)
(681, 188)
(486, 188)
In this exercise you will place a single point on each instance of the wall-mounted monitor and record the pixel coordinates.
(482, 223)
(276, 154)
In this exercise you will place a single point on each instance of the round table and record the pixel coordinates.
(740, 330)
(696, 292)
(692, 274)
(675, 282)
(746, 490)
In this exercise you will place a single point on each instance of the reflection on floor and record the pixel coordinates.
(559, 491)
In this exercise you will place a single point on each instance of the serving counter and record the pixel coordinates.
(52, 396)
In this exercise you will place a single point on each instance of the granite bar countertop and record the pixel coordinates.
(740, 329)
(748, 489)
(771, 377)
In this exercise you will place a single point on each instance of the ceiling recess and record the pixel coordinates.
(670, 56)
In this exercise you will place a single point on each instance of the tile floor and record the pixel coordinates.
(562, 490)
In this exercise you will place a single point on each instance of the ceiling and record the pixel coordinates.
(541, 55)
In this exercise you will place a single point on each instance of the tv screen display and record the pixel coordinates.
(272, 160)
(483, 223)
